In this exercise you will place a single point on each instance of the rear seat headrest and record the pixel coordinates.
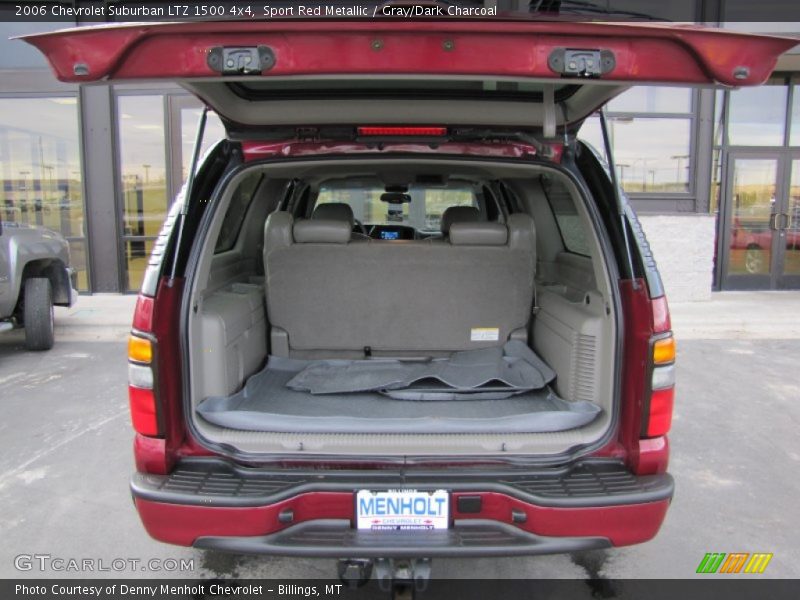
(321, 231)
(334, 211)
(478, 234)
(458, 214)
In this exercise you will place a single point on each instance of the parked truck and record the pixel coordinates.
(35, 276)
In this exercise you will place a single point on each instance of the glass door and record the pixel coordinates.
(143, 177)
(761, 235)
(787, 225)
(156, 135)
(185, 114)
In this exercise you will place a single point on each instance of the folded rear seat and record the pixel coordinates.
(327, 296)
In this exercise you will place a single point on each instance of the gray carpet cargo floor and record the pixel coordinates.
(455, 398)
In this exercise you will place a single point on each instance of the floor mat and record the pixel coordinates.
(267, 404)
(487, 373)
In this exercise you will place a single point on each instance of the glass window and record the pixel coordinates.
(753, 201)
(684, 11)
(573, 233)
(423, 212)
(643, 164)
(794, 136)
(756, 116)
(40, 167)
(716, 181)
(190, 119)
(651, 99)
(791, 264)
(236, 212)
(136, 256)
(651, 154)
(78, 261)
(655, 9)
(768, 17)
(144, 177)
(591, 133)
(266, 88)
(143, 164)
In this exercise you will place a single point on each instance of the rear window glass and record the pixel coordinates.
(423, 212)
(570, 225)
(398, 87)
(236, 213)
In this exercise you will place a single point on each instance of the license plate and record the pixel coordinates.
(402, 510)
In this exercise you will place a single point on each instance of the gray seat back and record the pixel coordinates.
(458, 214)
(328, 294)
(334, 211)
(339, 211)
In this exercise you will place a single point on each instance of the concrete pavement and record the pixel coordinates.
(739, 315)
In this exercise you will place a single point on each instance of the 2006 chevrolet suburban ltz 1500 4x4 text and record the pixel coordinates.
(400, 312)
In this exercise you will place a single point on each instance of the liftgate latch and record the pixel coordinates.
(248, 60)
(571, 62)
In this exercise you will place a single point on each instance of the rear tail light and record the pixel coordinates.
(661, 321)
(140, 376)
(663, 377)
(391, 131)
(141, 380)
(664, 351)
(154, 378)
(648, 387)
(143, 411)
(143, 314)
(140, 349)
(658, 417)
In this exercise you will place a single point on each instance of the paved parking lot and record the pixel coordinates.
(65, 453)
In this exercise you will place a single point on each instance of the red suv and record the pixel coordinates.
(401, 312)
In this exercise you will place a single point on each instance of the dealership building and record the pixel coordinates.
(713, 174)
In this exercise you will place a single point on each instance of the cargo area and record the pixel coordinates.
(416, 306)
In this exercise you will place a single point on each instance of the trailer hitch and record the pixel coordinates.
(354, 572)
(400, 577)
(403, 577)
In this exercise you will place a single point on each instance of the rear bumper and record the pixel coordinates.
(335, 538)
(211, 504)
